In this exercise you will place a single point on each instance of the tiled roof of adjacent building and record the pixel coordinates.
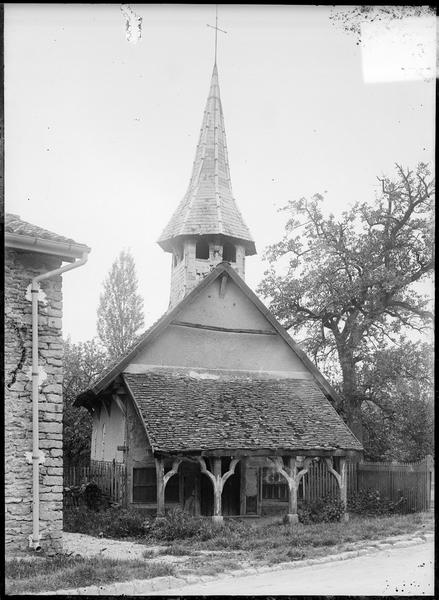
(24, 235)
(14, 224)
(209, 206)
(192, 410)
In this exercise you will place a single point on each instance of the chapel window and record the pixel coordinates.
(144, 485)
(274, 486)
(229, 252)
(202, 249)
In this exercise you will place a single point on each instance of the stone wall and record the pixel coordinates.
(20, 268)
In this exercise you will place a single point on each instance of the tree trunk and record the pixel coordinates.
(352, 402)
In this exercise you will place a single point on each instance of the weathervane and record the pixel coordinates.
(216, 29)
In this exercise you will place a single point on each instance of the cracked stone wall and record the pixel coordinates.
(20, 268)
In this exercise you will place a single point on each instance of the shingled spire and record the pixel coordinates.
(208, 213)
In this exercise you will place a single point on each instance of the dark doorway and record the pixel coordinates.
(231, 491)
(206, 495)
(198, 490)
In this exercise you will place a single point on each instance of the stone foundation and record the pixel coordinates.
(20, 268)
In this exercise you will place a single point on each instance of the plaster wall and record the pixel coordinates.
(190, 347)
(20, 268)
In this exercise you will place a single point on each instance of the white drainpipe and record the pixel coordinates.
(34, 540)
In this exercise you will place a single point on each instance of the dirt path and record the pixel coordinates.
(399, 571)
(86, 545)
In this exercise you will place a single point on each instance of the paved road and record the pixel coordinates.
(399, 571)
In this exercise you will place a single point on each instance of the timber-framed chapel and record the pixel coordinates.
(215, 409)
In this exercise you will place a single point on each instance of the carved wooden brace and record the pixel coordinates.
(341, 476)
(292, 477)
(289, 473)
(172, 471)
(218, 481)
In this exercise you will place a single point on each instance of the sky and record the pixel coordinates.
(102, 126)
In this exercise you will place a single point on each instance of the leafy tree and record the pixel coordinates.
(352, 18)
(349, 284)
(397, 409)
(82, 363)
(120, 312)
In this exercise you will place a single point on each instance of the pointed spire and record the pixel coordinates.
(208, 206)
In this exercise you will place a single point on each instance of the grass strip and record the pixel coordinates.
(68, 572)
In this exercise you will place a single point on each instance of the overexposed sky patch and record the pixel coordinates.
(101, 132)
(399, 49)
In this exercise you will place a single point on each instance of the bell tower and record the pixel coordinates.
(207, 228)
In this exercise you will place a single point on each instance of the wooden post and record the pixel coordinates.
(243, 484)
(218, 482)
(292, 478)
(292, 516)
(217, 490)
(341, 477)
(344, 485)
(160, 472)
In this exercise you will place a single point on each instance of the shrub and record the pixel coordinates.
(175, 525)
(114, 522)
(371, 502)
(178, 525)
(92, 496)
(323, 510)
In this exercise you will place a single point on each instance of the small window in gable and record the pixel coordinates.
(229, 252)
(202, 249)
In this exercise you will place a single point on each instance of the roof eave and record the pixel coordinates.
(68, 252)
(168, 244)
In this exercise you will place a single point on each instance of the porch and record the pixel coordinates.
(241, 484)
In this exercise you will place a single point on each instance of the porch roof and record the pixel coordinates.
(196, 411)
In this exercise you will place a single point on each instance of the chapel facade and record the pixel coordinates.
(215, 409)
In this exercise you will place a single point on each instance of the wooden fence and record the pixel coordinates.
(109, 476)
(411, 481)
(320, 482)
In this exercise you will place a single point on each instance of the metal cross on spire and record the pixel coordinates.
(216, 30)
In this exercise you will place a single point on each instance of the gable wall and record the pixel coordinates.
(190, 347)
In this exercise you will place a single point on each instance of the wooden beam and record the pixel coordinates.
(223, 329)
(120, 404)
(106, 408)
(223, 285)
(277, 452)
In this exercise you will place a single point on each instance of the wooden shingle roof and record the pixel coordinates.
(194, 411)
(208, 206)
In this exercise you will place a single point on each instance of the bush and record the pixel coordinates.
(176, 525)
(88, 494)
(114, 522)
(371, 502)
(324, 510)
